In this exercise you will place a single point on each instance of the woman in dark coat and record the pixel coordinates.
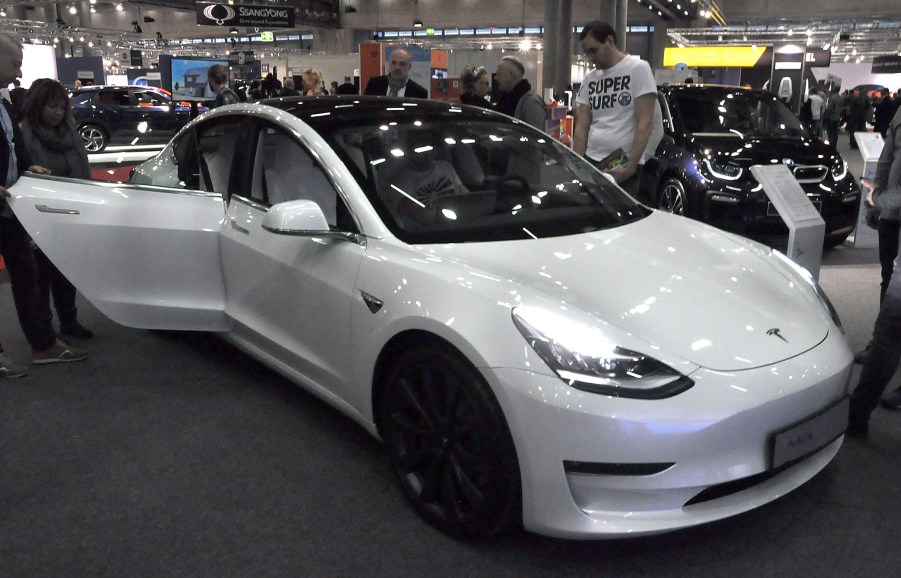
(476, 86)
(48, 129)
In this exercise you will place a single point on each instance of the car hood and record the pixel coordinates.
(712, 299)
(765, 151)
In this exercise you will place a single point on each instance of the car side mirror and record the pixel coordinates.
(296, 218)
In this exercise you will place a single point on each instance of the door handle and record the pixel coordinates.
(239, 228)
(46, 209)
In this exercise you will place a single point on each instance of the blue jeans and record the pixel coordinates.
(883, 355)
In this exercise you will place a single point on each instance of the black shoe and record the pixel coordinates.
(858, 429)
(892, 400)
(75, 329)
(861, 356)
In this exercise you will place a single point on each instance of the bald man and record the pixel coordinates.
(397, 82)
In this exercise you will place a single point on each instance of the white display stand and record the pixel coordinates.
(806, 227)
(870, 146)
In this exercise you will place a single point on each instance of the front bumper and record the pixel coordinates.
(719, 431)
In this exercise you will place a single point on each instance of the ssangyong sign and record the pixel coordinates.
(245, 15)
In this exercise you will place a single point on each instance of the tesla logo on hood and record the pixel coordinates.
(775, 331)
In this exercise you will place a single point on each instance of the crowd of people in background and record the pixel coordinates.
(828, 114)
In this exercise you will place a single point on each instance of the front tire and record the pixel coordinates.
(672, 196)
(93, 137)
(449, 443)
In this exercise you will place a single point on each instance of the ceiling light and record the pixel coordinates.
(233, 30)
(119, 7)
(73, 9)
(417, 23)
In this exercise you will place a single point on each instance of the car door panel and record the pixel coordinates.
(291, 294)
(145, 256)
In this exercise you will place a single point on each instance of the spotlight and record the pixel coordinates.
(61, 23)
(137, 27)
(119, 7)
(73, 9)
(149, 19)
(417, 23)
(233, 30)
(159, 36)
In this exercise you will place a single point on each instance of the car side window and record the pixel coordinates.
(220, 148)
(149, 98)
(284, 170)
(113, 98)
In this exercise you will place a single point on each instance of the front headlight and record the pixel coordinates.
(723, 171)
(821, 295)
(839, 169)
(586, 360)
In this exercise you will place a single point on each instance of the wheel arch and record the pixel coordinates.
(389, 355)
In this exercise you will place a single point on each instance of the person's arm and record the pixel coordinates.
(884, 194)
(644, 114)
(580, 130)
(534, 112)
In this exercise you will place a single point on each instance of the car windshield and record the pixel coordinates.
(445, 179)
(737, 113)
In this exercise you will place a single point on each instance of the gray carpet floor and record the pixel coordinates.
(170, 454)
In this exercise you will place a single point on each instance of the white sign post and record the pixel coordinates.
(870, 145)
(806, 227)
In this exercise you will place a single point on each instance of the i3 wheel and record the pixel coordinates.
(672, 196)
(93, 137)
(449, 444)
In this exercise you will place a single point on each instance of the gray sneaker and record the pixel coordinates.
(59, 352)
(9, 369)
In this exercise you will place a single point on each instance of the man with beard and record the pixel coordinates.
(397, 82)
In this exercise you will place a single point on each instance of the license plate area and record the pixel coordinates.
(772, 212)
(812, 434)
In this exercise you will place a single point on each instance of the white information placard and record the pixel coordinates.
(870, 146)
(806, 227)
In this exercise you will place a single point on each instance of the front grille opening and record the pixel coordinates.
(735, 486)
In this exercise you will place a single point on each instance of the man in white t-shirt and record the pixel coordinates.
(422, 181)
(616, 108)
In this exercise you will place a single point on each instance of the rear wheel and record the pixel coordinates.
(672, 196)
(93, 137)
(449, 443)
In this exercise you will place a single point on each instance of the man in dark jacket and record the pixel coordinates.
(858, 110)
(217, 76)
(885, 347)
(397, 82)
(15, 246)
(885, 110)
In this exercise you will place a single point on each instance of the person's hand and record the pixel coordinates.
(870, 186)
(622, 174)
(38, 169)
(872, 218)
(4, 194)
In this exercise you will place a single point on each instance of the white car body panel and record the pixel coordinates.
(147, 257)
(686, 294)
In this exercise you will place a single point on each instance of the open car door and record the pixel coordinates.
(145, 256)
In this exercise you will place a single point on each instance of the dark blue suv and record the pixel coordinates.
(126, 115)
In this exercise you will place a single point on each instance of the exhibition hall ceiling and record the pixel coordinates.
(852, 36)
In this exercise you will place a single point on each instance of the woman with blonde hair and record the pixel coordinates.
(313, 83)
(476, 85)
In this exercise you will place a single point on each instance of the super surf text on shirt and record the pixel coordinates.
(608, 92)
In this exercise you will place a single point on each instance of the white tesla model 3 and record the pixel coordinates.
(533, 346)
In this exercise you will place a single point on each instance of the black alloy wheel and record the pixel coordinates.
(672, 196)
(93, 137)
(449, 444)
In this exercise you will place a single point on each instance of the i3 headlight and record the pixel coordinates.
(723, 171)
(839, 169)
(583, 357)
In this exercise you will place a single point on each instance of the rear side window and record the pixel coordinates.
(82, 97)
